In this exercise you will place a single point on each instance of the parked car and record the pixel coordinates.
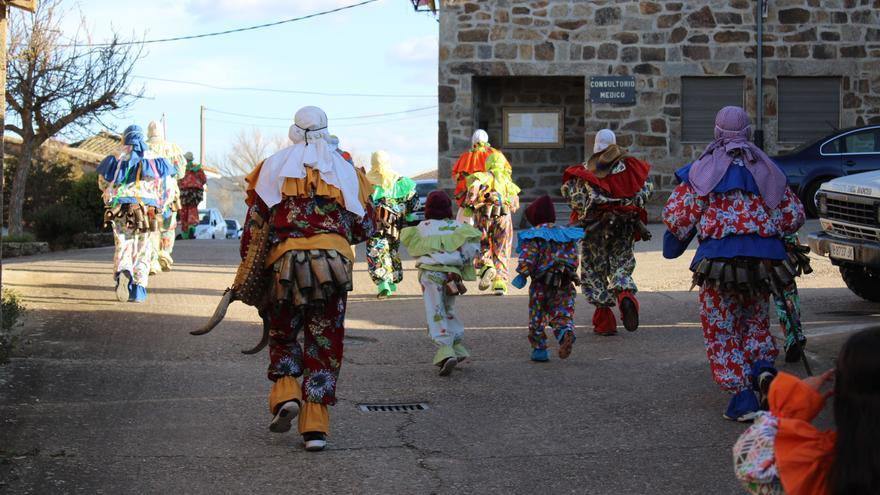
(211, 224)
(233, 229)
(849, 212)
(845, 152)
(423, 188)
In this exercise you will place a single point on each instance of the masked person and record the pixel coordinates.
(192, 192)
(163, 239)
(315, 206)
(548, 255)
(489, 199)
(607, 196)
(334, 143)
(394, 201)
(131, 184)
(736, 201)
(444, 250)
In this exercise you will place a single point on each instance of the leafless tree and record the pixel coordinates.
(248, 148)
(59, 84)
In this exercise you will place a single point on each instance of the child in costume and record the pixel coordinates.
(736, 201)
(444, 250)
(783, 453)
(394, 201)
(132, 191)
(607, 195)
(548, 255)
(317, 206)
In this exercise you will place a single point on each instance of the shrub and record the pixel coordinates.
(58, 223)
(23, 237)
(85, 195)
(13, 310)
(48, 183)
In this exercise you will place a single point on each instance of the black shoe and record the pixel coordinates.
(764, 381)
(314, 440)
(794, 351)
(284, 417)
(629, 313)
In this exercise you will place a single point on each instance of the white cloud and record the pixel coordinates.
(416, 51)
(253, 9)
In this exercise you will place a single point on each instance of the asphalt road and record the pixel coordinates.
(108, 397)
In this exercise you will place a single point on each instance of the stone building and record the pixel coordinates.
(508, 65)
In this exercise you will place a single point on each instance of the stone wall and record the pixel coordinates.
(658, 42)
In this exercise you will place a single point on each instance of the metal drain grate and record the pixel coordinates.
(393, 407)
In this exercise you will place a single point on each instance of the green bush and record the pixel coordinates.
(13, 310)
(85, 195)
(58, 223)
(23, 237)
(48, 183)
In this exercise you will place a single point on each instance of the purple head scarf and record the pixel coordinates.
(733, 131)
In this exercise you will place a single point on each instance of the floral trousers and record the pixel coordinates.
(167, 235)
(607, 264)
(736, 331)
(133, 252)
(319, 358)
(553, 308)
(383, 260)
(443, 323)
(496, 243)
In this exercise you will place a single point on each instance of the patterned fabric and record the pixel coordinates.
(496, 243)
(383, 260)
(443, 246)
(133, 252)
(754, 460)
(167, 233)
(607, 264)
(537, 255)
(735, 212)
(443, 324)
(319, 357)
(736, 331)
(550, 307)
(192, 191)
(583, 198)
(788, 310)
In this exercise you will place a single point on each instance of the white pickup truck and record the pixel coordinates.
(849, 212)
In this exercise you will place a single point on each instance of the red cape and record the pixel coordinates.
(625, 184)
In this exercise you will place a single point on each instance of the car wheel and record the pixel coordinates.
(213, 236)
(809, 194)
(863, 282)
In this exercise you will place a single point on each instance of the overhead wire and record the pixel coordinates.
(357, 124)
(283, 91)
(355, 117)
(230, 31)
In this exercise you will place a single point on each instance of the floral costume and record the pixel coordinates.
(132, 192)
(383, 257)
(782, 452)
(444, 249)
(163, 240)
(543, 249)
(490, 199)
(192, 192)
(610, 208)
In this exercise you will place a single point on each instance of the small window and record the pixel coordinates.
(701, 99)
(809, 108)
(832, 147)
(862, 142)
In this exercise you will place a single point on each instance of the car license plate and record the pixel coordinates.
(842, 252)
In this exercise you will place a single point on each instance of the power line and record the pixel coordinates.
(277, 90)
(359, 124)
(356, 117)
(230, 31)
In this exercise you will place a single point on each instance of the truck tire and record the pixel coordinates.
(808, 196)
(863, 282)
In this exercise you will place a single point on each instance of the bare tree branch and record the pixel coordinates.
(57, 85)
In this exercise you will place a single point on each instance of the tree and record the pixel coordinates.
(57, 84)
(248, 148)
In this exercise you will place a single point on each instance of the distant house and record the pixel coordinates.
(103, 143)
(428, 174)
(82, 161)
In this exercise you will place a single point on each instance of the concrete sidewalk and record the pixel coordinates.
(98, 400)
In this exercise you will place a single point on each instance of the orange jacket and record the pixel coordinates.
(468, 163)
(804, 455)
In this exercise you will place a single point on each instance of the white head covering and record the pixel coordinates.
(155, 133)
(381, 173)
(604, 139)
(480, 136)
(310, 149)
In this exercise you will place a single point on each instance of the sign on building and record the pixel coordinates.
(612, 89)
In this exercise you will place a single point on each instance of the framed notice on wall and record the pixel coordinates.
(530, 127)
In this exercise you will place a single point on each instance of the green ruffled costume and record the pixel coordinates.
(383, 259)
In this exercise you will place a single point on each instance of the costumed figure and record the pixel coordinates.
(783, 452)
(163, 240)
(394, 201)
(307, 206)
(444, 250)
(548, 255)
(132, 184)
(607, 196)
(334, 143)
(489, 199)
(192, 192)
(736, 201)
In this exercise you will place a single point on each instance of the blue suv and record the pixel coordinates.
(846, 152)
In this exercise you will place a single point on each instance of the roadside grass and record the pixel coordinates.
(10, 327)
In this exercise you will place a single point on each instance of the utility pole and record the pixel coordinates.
(202, 135)
(30, 5)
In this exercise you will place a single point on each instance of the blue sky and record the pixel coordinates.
(379, 48)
